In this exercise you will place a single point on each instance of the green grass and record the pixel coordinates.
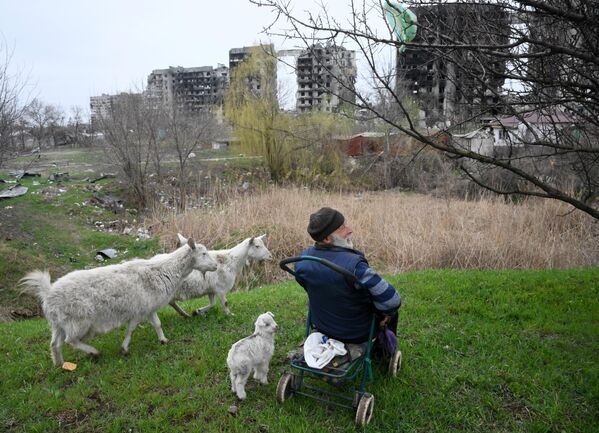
(52, 226)
(488, 351)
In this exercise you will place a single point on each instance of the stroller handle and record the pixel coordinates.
(351, 277)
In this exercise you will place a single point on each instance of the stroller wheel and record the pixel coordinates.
(285, 388)
(395, 363)
(364, 411)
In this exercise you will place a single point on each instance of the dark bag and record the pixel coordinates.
(386, 341)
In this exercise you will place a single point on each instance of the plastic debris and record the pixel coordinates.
(69, 366)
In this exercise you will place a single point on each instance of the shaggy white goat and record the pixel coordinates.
(252, 353)
(220, 282)
(95, 301)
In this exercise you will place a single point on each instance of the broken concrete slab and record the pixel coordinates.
(19, 174)
(103, 176)
(59, 176)
(108, 253)
(14, 191)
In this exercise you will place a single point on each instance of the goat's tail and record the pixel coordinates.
(36, 283)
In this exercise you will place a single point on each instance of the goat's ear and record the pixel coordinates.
(182, 240)
(252, 240)
(191, 244)
(270, 314)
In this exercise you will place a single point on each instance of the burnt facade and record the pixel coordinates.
(449, 76)
(326, 76)
(189, 89)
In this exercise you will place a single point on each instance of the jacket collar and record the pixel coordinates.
(329, 247)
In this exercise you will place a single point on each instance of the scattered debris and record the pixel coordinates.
(192, 155)
(108, 253)
(69, 366)
(233, 409)
(59, 176)
(13, 191)
(109, 202)
(103, 176)
(143, 234)
(19, 174)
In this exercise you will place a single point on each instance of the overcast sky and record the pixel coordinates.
(74, 49)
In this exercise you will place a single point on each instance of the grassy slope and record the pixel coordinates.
(492, 351)
(52, 227)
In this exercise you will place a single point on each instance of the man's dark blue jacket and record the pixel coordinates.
(338, 309)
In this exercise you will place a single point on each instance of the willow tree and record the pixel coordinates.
(252, 107)
(317, 156)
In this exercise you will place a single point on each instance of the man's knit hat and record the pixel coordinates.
(323, 222)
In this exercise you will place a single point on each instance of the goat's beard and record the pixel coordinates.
(340, 241)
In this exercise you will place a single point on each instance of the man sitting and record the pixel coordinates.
(337, 308)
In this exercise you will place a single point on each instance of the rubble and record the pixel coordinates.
(19, 174)
(108, 253)
(14, 191)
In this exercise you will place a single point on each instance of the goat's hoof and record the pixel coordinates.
(95, 356)
(124, 352)
(164, 341)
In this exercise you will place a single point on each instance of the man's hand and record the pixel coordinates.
(384, 322)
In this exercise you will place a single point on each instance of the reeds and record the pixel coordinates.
(401, 232)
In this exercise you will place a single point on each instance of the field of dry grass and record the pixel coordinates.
(400, 232)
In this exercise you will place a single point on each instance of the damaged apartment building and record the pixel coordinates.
(189, 89)
(198, 88)
(269, 66)
(449, 85)
(326, 76)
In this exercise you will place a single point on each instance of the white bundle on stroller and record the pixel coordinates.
(319, 350)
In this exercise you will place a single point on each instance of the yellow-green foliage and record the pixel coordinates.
(254, 112)
(294, 147)
(317, 158)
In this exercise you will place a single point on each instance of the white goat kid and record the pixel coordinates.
(219, 283)
(252, 353)
(95, 301)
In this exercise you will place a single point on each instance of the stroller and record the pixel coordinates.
(358, 370)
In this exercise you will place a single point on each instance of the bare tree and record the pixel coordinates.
(76, 126)
(130, 127)
(43, 120)
(186, 133)
(12, 93)
(532, 63)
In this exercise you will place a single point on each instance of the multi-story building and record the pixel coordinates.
(451, 84)
(189, 89)
(239, 55)
(103, 106)
(326, 77)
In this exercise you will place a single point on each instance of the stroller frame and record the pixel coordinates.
(291, 384)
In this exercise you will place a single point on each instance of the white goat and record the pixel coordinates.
(95, 301)
(220, 282)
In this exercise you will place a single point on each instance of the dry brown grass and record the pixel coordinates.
(400, 232)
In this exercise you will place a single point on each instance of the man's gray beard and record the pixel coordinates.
(340, 241)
